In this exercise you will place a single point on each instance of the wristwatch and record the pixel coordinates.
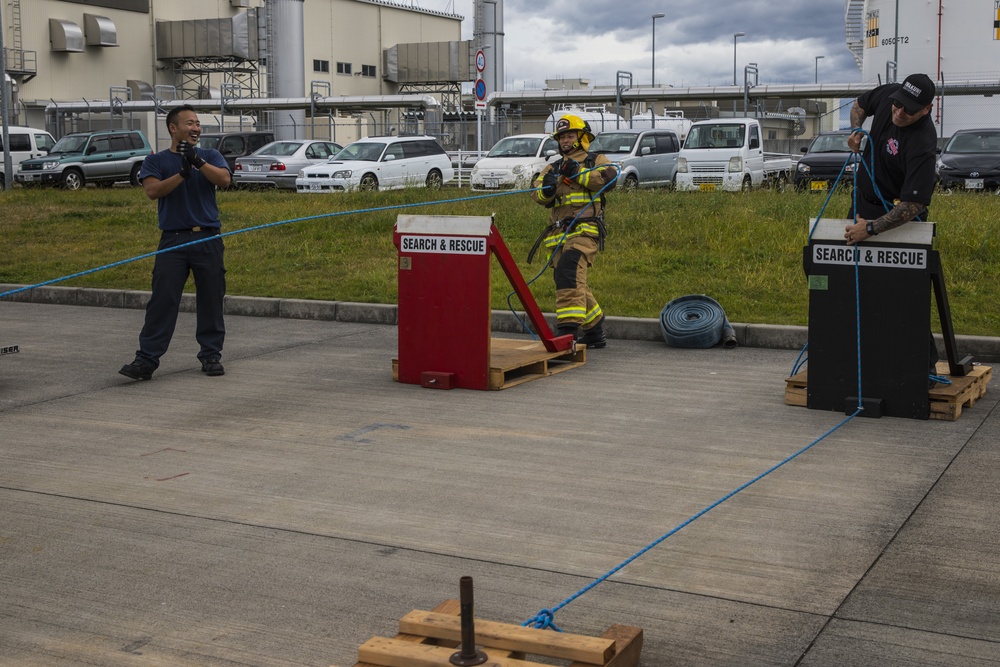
(870, 229)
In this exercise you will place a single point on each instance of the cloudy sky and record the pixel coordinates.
(593, 39)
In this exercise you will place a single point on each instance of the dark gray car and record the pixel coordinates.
(648, 158)
(235, 144)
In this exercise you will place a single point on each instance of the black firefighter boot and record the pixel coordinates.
(594, 336)
(569, 330)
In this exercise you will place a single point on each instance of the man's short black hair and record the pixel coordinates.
(172, 116)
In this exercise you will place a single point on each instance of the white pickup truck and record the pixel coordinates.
(728, 154)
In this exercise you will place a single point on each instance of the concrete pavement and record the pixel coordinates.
(304, 502)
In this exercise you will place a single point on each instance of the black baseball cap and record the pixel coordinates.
(915, 94)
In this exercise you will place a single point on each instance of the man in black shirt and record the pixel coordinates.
(903, 148)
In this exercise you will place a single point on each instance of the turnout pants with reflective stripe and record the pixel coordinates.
(575, 304)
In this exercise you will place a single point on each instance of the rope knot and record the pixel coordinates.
(543, 620)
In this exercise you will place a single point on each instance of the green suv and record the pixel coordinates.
(102, 157)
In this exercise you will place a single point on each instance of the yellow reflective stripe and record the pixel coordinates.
(594, 314)
(576, 198)
(584, 179)
(569, 313)
(578, 229)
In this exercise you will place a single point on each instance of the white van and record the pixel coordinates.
(25, 143)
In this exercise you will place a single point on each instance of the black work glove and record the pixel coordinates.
(569, 169)
(549, 182)
(185, 165)
(190, 155)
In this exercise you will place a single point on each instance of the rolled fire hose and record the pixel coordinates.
(696, 320)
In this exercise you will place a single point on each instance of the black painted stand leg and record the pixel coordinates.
(956, 367)
(468, 655)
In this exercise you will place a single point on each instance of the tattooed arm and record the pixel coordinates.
(858, 117)
(901, 213)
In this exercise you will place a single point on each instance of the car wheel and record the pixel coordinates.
(434, 180)
(631, 183)
(133, 177)
(72, 179)
(368, 183)
(747, 184)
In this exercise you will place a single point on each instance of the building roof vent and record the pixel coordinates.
(101, 30)
(65, 36)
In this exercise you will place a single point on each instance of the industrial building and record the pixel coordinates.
(342, 69)
(63, 53)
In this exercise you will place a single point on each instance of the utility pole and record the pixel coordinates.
(8, 165)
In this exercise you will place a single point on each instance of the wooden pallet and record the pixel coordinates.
(430, 638)
(515, 361)
(946, 400)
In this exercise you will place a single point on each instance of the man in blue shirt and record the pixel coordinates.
(182, 180)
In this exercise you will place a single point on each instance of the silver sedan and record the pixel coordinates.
(279, 162)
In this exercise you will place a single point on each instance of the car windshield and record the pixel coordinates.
(974, 142)
(72, 143)
(280, 148)
(830, 143)
(613, 142)
(365, 151)
(209, 142)
(516, 147)
(716, 135)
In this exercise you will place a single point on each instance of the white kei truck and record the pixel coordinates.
(728, 154)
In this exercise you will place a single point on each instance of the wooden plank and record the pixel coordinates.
(946, 400)
(397, 653)
(491, 634)
(628, 646)
(453, 608)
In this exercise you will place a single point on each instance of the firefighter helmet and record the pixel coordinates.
(570, 122)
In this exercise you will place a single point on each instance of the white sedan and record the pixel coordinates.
(278, 163)
(513, 162)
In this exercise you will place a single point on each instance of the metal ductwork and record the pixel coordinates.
(286, 66)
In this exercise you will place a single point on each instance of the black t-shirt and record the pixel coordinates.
(903, 157)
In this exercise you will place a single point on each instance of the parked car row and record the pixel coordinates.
(970, 160)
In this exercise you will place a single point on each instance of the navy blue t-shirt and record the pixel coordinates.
(904, 157)
(192, 203)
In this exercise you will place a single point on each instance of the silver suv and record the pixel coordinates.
(100, 157)
(648, 158)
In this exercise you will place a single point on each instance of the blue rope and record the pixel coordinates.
(544, 618)
(251, 229)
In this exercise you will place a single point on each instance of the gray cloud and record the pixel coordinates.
(594, 39)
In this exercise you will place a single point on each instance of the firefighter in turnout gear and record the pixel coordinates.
(569, 187)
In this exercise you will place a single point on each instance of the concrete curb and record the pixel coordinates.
(982, 348)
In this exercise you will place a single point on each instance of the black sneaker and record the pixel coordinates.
(594, 338)
(212, 367)
(137, 371)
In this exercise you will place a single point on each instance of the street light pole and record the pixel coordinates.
(653, 64)
(735, 35)
(817, 68)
